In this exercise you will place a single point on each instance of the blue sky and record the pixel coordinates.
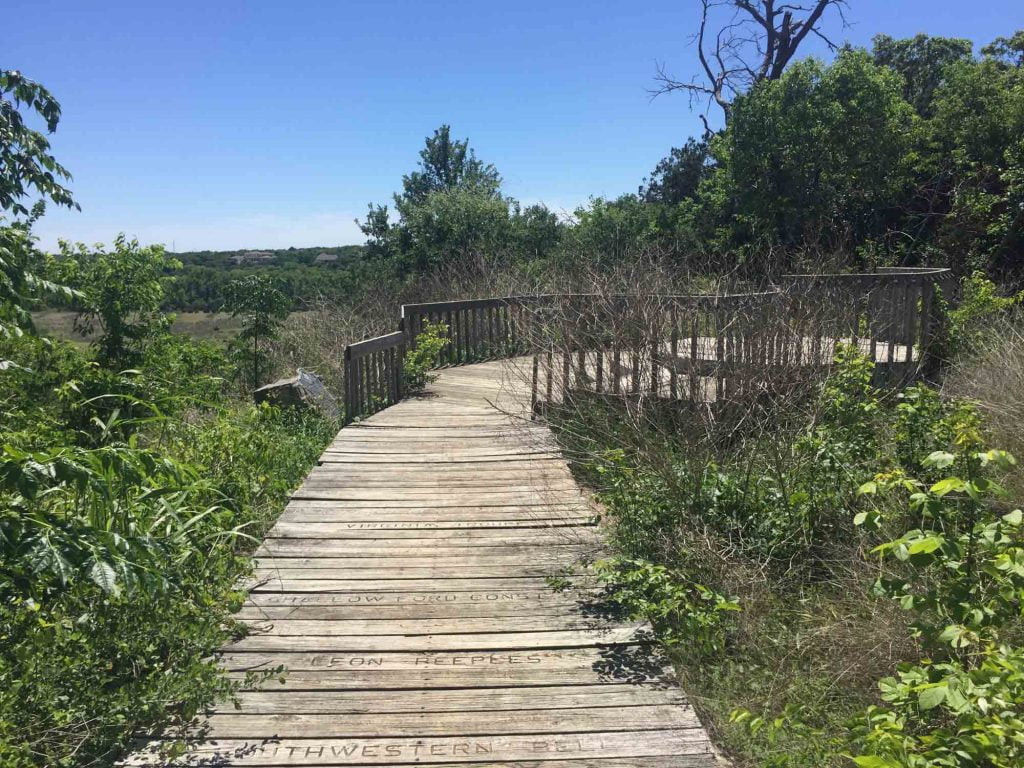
(225, 124)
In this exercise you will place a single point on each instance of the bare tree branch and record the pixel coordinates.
(755, 42)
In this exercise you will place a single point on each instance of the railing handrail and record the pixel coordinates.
(499, 326)
(368, 346)
(881, 273)
(457, 304)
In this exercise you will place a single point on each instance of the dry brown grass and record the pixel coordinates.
(990, 374)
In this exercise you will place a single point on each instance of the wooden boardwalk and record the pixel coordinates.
(404, 589)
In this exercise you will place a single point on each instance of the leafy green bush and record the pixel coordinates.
(979, 303)
(685, 614)
(782, 519)
(949, 715)
(422, 357)
(121, 292)
(960, 573)
(125, 526)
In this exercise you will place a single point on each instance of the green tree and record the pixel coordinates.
(1008, 51)
(26, 164)
(122, 290)
(922, 61)
(816, 159)
(263, 308)
(676, 177)
(611, 232)
(446, 165)
(973, 175)
(450, 209)
(537, 231)
(453, 227)
(26, 167)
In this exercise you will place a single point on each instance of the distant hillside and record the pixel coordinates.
(345, 255)
(304, 274)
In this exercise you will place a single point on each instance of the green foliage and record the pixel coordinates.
(776, 183)
(21, 282)
(118, 566)
(922, 61)
(980, 302)
(129, 499)
(447, 165)
(422, 357)
(678, 176)
(452, 226)
(948, 715)
(111, 515)
(263, 308)
(975, 165)
(122, 290)
(26, 165)
(960, 573)
(451, 214)
(789, 738)
(788, 515)
(686, 615)
(612, 232)
(961, 570)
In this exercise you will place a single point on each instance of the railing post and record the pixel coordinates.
(348, 382)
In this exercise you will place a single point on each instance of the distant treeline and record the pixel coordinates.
(199, 284)
(281, 257)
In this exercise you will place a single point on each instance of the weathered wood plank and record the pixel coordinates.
(336, 547)
(414, 601)
(404, 585)
(457, 749)
(324, 531)
(414, 511)
(357, 523)
(579, 720)
(482, 641)
(404, 591)
(413, 572)
(298, 627)
(458, 700)
(411, 559)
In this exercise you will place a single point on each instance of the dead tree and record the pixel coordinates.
(754, 41)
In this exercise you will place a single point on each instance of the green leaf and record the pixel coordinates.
(868, 488)
(104, 576)
(1014, 518)
(939, 459)
(925, 545)
(873, 761)
(931, 697)
(947, 485)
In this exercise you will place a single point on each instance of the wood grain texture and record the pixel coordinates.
(401, 611)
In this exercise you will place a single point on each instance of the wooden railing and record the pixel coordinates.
(478, 329)
(697, 348)
(893, 314)
(373, 374)
(711, 349)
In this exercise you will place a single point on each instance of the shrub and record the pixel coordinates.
(423, 357)
(120, 554)
(685, 614)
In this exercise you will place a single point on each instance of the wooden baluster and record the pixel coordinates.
(533, 387)
(673, 351)
(696, 393)
(616, 372)
(550, 373)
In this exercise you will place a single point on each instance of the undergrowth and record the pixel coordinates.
(838, 581)
(129, 504)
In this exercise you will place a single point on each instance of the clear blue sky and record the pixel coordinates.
(225, 124)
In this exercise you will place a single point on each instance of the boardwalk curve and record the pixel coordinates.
(404, 589)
